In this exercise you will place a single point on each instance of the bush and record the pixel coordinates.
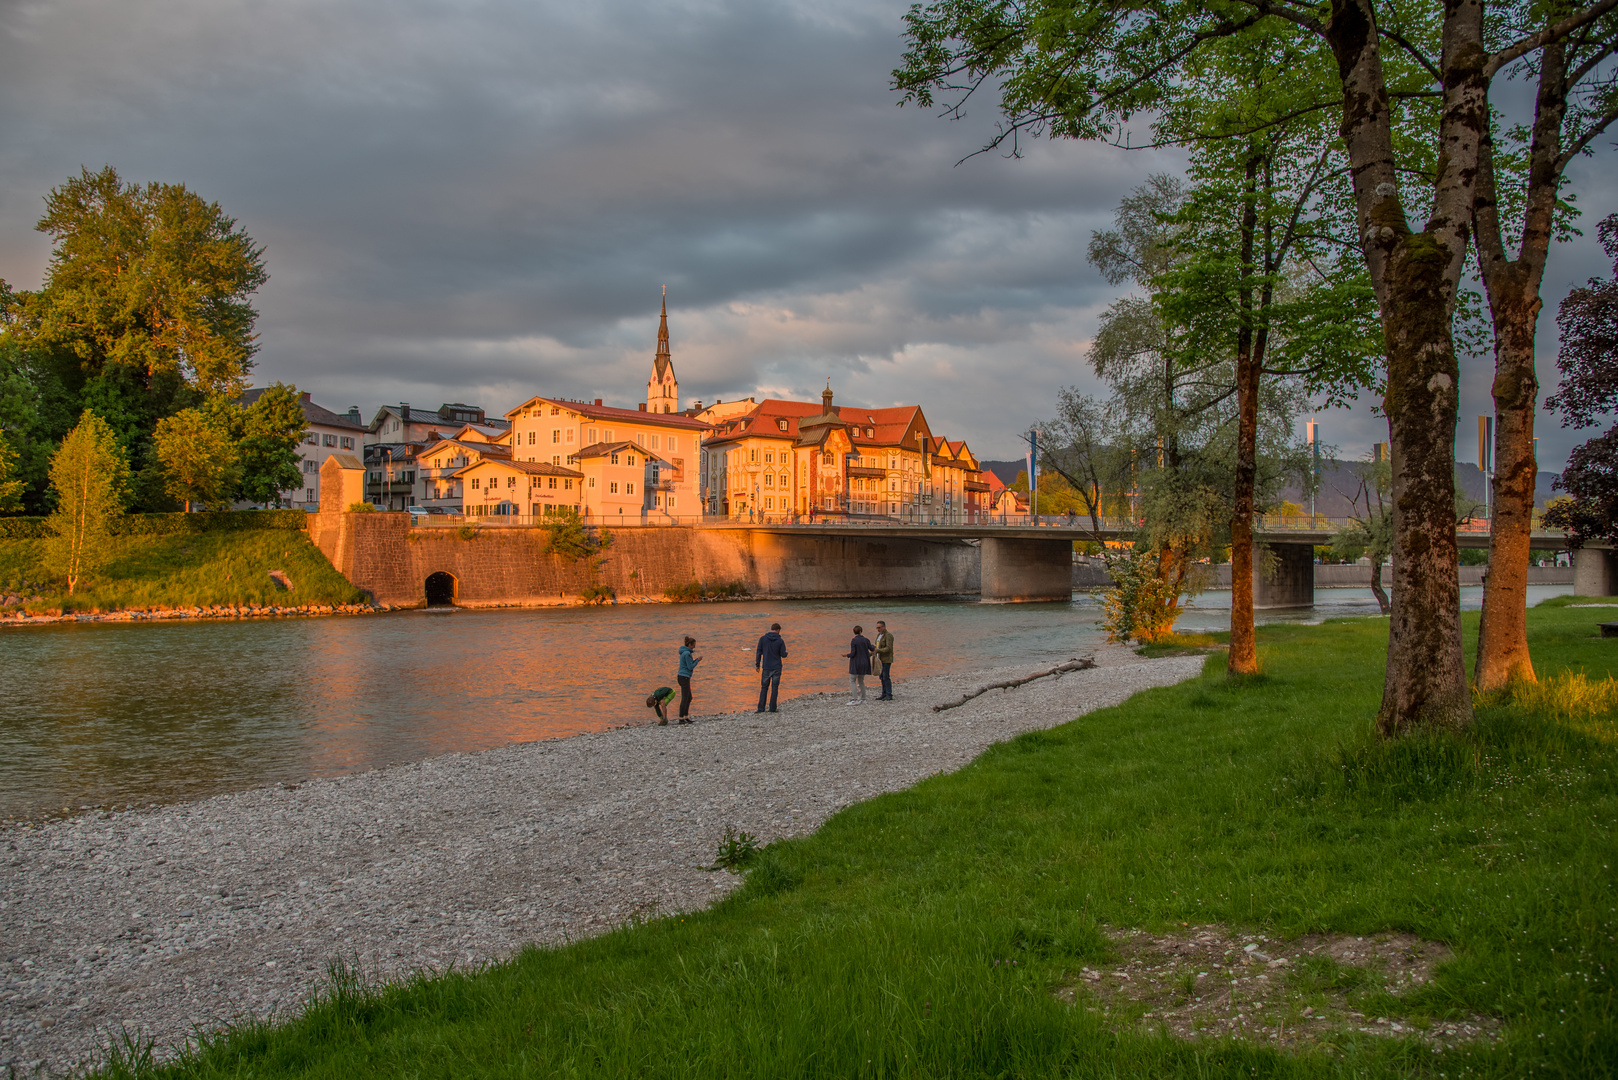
(598, 594)
(361, 508)
(695, 591)
(34, 528)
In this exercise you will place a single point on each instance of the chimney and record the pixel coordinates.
(404, 411)
(643, 406)
(696, 404)
(354, 414)
(598, 401)
(304, 396)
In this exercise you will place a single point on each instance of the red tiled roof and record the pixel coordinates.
(889, 425)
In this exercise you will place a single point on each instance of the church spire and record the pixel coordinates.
(663, 388)
(661, 363)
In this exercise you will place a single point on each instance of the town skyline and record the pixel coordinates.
(497, 212)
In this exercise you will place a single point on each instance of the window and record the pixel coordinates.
(474, 482)
(348, 442)
(640, 438)
(308, 466)
(556, 435)
(671, 443)
(555, 411)
(629, 488)
(436, 464)
(511, 481)
(590, 435)
(769, 479)
(606, 436)
(556, 459)
(532, 435)
(829, 458)
(613, 487)
(769, 457)
(670, 503)
(552, 484)
(567, 485)
(782, 424)
(656, 441)
(631, 459)
(592, 481)
(570, 436)
(313, 439)
(755, 455)
(784, 479)
(769, 504)
(615, 458)
(330, 440)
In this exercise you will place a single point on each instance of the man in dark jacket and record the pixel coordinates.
(772, 649)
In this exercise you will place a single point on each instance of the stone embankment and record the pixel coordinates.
(166, 920)
(212, 611)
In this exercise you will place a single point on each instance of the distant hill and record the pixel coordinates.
(1006, 470)
(1337, 484)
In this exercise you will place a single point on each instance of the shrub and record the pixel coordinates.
(598, 594)
(695, 591)
(361, 508)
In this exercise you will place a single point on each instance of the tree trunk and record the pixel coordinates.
(1243, 659)
(1377, 590)
(1514, 302)
(1415, 276)
(1425, 685)
(1502, 656)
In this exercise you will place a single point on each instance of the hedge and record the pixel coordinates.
(32, 528)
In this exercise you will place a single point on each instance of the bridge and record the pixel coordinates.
(1028, 558)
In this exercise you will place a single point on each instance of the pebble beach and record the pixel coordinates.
(162, 921)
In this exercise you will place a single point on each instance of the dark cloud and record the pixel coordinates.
(479, 200)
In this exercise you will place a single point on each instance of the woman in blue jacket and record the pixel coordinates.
(859, 666)
(688, 667)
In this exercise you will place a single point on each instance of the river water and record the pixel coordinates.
(132, 713)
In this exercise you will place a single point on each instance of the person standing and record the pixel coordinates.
(884, 658)
(772, 649)
(688, 667)
(859, 666)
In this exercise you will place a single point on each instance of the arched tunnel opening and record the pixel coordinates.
(440, 589)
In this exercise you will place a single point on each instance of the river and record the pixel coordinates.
(113, 714)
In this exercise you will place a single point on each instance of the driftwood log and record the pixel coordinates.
(1078, 663)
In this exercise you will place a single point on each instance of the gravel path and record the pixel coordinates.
(172, 918)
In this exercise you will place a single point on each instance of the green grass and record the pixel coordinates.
(183, 571)
(923, 933)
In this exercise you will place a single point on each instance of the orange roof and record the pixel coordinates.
(597, 411)
(535, 468)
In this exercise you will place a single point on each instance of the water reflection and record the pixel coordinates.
(132, 713)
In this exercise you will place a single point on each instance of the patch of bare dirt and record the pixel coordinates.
(1208, 981)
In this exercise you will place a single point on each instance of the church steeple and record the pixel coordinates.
(663, 389)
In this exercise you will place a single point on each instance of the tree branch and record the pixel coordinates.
(1551, 33)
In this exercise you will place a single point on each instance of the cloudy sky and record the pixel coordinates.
(479, 200)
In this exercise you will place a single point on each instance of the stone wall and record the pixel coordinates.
(384, 555)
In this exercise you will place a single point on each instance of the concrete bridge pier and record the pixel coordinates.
(1023, 570)
(1593, 572)
(1292, 581)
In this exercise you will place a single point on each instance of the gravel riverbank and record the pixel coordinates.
(169, 919)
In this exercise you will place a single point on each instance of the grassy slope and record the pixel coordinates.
(878, 946)
(183, 571)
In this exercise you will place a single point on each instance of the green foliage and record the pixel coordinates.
(1144, 602)
(11, 484)
(198, 458)
(568, 537)
(598, 594)
(736, 852)
(90, 478)
(226, 561)
(695, 591)
(370, 508)
(880, 944)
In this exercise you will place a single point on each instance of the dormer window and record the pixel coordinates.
(782, 424)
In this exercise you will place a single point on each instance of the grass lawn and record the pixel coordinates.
(941, 930)
(185, 570)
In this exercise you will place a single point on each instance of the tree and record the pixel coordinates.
(198, 457)
(1575, 101)
(145, 311)
(1083, 68)
(1261, 275)
(90, 478)
(1369, 532)
(1589, 364)
(266, 435)
(10, 486)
